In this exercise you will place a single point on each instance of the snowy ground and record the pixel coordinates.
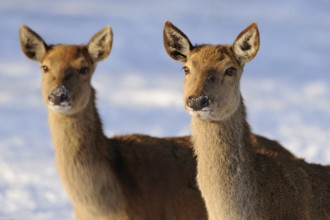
(286, 87)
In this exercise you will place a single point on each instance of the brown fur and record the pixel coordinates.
(124, 177)
(236, 181)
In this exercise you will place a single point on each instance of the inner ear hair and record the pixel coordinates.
(32, 44)
(100, 45)
(176, 43)
(246, 45)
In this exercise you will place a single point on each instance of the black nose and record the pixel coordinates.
(198, 103)
(59, 95)
(57, 99)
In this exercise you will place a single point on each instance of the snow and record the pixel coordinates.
(286, 87)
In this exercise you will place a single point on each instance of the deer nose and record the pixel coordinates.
(198, 103)
(59, 95)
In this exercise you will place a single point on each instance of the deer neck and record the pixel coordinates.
(83, 159)
(73, 134)
(224, 165)
(228, 137)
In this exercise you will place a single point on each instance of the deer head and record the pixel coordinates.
(212, 72)
(66, 69)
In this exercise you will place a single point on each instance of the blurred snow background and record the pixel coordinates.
(286, 87)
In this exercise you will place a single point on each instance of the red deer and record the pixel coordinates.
(125, 177)
(237, 182)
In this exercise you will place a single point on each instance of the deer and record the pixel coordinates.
(236, 181)
(135, 177)
(123, 177)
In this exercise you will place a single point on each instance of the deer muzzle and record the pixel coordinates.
(60, 99)
(198, 103)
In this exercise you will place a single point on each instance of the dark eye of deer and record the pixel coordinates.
(211, 77)
(186, 70)
(83, 70)
(230, 71)
(45, 69)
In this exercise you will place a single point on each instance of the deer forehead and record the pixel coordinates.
(61, 56)
(214, 57)
(207, 65)
(210, 61)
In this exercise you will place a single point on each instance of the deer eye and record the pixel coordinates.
(186, 70)
(211, 77)
(83, 70)
(45, 69)
(230, 71)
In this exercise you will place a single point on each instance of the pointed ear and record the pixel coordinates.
(100, 45)
(247, 44)
(176, 43)
(33, 46)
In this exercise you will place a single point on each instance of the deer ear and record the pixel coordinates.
(100, 45)
(247, 44)
(33, 46)
(176, 43)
